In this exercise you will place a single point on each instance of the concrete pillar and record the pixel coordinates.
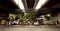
(7, 21)
(55, 17)
(3, 16)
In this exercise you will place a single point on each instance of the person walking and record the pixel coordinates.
(11, 20)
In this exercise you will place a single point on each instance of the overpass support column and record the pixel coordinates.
(55, 17)
(3, 16)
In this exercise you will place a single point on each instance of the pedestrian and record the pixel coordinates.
(11, 20)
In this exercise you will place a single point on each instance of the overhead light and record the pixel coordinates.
(19, 3)
(40, 3)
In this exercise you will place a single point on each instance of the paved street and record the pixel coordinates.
(29, 28)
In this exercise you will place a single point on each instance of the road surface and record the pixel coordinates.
(29, 28)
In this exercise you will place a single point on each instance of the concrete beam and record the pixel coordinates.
(25, 5)
(35, 4)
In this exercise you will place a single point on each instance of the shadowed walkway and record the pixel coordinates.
(30, 28)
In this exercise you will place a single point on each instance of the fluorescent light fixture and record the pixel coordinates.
(19, 3)
(40, 3)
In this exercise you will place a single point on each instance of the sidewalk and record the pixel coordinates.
(32, 26)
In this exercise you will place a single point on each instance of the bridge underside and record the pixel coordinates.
(8, 6)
